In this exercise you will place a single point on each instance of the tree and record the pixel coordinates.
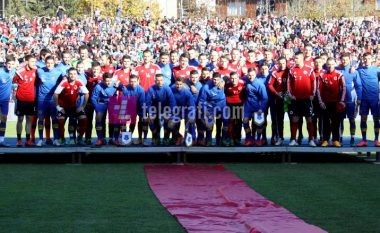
(129, 7)
(40, 7)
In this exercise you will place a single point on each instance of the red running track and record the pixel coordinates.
(213, 200)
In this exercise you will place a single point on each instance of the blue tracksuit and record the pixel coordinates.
(6, 77)
(370, 92)
(353, 89)
(48, 81)
(100, 96)
(257, 98)
(137, 92)
(167, 73)
(183, 98)
(63, 68)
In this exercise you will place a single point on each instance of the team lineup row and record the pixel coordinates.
(229, 96)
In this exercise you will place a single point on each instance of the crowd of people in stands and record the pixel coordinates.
(191, 77)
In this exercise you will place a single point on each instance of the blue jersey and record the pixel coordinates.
(48, 81)
(137, 92)
(353, 84)
(184, 98)
(211, 96)
(370, 82)
(167, 73)
(159, 97)
(199, 86)
(6, 77)
(102, 93)
(193, 62)
(257, 97)
(83, 78)
(40, 64)
(63, 68)
(262, 78)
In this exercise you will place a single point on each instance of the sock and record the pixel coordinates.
(55, 129)
(132, 128)
(72, 127)
(47, 127)
(247, 130)
(99, 129)
(352, 128)
(293, 130)
(27, 137)
(71, 131)
(82, 127)
(33, 128)
(18, 136)
(363, 127)
(310, 129)
(193, 129)
(41, 129)
(376, 125)
(116, 132)
(145, 129)
(61, 128)
(3, 126)
(208, 135)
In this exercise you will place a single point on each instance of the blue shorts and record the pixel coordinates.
(249, 110)
(367, 105)
(4, 106)
(100, 107)
(46, 108)
(350, 110)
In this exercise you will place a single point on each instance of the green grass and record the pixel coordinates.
(11, 130)
(116, 197)
(87, 198)
(337, 197)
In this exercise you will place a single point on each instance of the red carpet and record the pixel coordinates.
(213, 200)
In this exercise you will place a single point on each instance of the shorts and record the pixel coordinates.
(101, 107)
(350, 110)
(45, 109)
(25, 108)
(71, 112)
(248, 112)
(301, 108)
(367, 105)
(4, 106)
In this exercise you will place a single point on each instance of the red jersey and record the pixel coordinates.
(234, 94)
(68, 93)
(278, 81)
(309, 62)
(25, 79)
(290, 63)
(224, 71)
(179, 72)
(108, 69)
(92, 81)
(147, 75)
(301, 82)
(123, 76)
(331, 87)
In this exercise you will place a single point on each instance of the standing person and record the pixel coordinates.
(301, 88)
(133, 89)
(185, 109)
(6, 75)
(256, 101)
(370, 98)
(212, 100)
(146, 73)
(353, 94)
(25, 95)
(166, 70)
(196, 87)
(93, 78)
(47, 82)
(331, 95)
(83, 57)
(100, 99)
(317, 117)
(65, 98)
(183, 69)
(159, 103)
(122, 75)
(278, 86)
(235, 93)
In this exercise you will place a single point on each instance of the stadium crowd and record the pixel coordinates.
(226, 74)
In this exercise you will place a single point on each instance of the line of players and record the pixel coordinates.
(222, 93)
